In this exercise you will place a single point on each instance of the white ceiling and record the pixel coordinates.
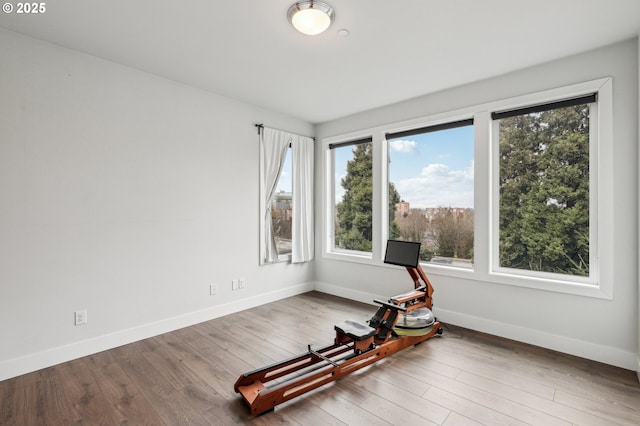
(396, 50)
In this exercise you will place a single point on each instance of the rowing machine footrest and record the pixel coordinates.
(355, 330)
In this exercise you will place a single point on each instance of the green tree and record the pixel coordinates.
(354, 212)
(544, 191)
(394, 199)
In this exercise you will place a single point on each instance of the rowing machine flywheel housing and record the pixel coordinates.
(415, 323)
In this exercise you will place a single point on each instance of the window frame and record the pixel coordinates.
(301, 153)
(599, 284)
(329, 228)
(593, 208)
(446, 122)
(486, 169)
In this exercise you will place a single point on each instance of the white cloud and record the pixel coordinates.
(406, 147)
(438, 185)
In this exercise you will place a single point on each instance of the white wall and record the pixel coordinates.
(124, 194)
(599, 329)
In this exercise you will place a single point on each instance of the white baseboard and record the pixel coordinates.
(567, 345)
(348, 293)
(36, 361)
(592, 351)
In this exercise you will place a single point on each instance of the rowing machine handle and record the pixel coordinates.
(390, 305)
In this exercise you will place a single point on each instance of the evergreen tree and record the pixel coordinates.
(544, 191)
(394, 198)
(354, 213)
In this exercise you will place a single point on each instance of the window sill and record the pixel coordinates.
(553, 285)
(351, 256)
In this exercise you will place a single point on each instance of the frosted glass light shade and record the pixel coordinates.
(311, 17)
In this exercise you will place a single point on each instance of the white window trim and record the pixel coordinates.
(485, 188)
(328, 219)
(450, 117)
(599, 282)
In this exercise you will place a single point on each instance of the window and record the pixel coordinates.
(514, 192)
(286, 196)
(430, 191)
(545, 194)
(282, 208)
(352, 189)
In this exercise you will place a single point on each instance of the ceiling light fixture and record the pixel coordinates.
(311, 17)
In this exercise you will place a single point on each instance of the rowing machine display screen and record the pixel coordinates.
(402, 253)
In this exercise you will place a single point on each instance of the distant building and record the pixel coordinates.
(281, 207)
(402, 208)
(431, 212)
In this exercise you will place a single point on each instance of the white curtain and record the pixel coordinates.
(302, 215)
(273, 151)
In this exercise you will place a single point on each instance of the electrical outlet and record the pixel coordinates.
(80, 317)
(234, 284)
(241, 283)
(213, 289)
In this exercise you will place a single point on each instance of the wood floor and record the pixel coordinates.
(187, 377)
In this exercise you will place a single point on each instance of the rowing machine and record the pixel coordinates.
(400, 322)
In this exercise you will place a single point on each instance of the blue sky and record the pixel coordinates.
(429, 170)
(434, 169)
(284, 184)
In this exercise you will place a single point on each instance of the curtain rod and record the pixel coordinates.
(260, 126)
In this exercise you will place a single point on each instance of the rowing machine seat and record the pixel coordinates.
(355, 330)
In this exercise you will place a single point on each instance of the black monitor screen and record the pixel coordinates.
(402, 253)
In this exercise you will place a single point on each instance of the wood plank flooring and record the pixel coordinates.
(186, 378)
